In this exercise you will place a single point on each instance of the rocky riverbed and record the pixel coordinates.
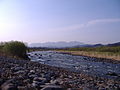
(28, 75)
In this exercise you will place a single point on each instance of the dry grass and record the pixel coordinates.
(107, 55)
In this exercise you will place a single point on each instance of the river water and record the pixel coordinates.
(76, 63)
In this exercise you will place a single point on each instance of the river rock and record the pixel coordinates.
(112, 74)
(52, 87)
(35, 83)
(1, 81)
(33, 76)
(20, 72)
(18, 68)
(9, 85)
(32, 71)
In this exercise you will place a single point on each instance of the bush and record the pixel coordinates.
(15, 48)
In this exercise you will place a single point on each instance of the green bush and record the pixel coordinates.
(15, 48)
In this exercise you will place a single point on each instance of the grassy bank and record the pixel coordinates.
(99, 52)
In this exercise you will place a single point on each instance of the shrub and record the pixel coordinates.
(15, 48)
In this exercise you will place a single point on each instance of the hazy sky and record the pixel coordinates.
(87, 21)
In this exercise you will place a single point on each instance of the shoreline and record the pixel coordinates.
(27, 74)
(99, 59)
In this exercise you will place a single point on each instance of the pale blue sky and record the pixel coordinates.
(87, 21)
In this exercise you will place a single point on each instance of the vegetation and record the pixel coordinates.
(115, 49)
(18, 49)
(14, 48)
(110, 52)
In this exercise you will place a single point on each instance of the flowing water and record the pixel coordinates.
(77, 63)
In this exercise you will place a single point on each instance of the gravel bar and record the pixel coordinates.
(28, 75)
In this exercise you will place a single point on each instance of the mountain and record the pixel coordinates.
(88, 45)
(72, 44)
(57, 44)
(114, 44)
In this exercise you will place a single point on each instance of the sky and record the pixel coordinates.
(36, 21)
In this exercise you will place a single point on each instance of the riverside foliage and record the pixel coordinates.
(112, 49)
(109, 52)
(14, 48)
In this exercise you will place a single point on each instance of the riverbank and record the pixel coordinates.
(23, 74)
(104, 56)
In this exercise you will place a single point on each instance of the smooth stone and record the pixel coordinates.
(47, 76)
(9, 86)
(52, 87)
(32, 71)
(20, 72)
(55, 82)
(37, 84)
(27, 81)
(39, 79)
(18, 68)
(112, 74)
(9, 81)
(1, 81)
(22, 88)
(32, 76)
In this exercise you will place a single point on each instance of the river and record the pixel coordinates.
(82, 64)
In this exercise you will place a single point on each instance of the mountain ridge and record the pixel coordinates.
(63, 44)
(57, 44)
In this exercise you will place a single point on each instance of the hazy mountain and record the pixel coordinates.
(74, 44)
(57, 44)
(89, 45)
(114, 44)
(99, 45)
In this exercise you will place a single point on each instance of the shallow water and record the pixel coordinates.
(77, 63)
